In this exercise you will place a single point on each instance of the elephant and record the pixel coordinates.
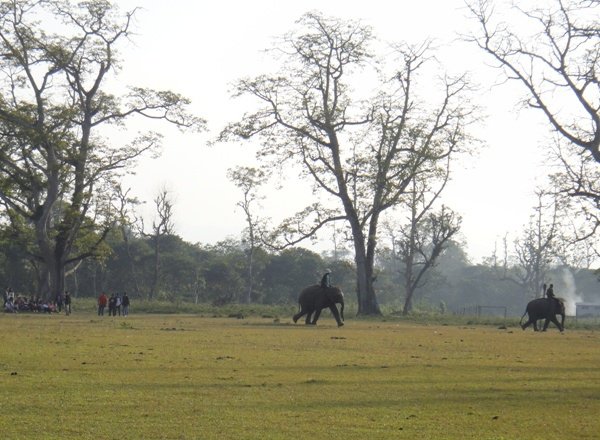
(315, 298)
(544, 308)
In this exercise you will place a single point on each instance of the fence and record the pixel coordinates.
(484, 311)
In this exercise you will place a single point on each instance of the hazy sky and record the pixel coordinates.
(200, 48)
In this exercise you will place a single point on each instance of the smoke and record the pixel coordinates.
(570, 293)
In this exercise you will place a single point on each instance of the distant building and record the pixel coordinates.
(587, 310)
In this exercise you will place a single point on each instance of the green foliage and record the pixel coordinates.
(217, 275)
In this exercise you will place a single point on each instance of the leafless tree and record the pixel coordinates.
(554, 53)
(126, 223)
(422, 239)
(249, 179)
(162, 225)
(537, 249)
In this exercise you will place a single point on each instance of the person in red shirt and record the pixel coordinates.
(102, 301)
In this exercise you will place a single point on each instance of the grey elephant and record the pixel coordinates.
(544, 308)
(315, 298)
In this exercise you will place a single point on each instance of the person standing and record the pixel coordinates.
(112, 302)
(67, 303)
(102, 301)
(125, 304)
(59, 302)
(118, 303)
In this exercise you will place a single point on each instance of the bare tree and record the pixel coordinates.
(162, 225)
(423, 238)
(537, 249)
(558, 64)
(362, 155)
(249, 179)
(126, 223)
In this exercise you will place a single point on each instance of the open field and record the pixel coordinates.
(187, 377)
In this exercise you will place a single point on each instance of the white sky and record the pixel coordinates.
(200, 48)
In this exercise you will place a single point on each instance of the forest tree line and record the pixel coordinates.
(218, 274)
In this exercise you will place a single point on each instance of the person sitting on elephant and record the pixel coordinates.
(326, 280)
(550, 293)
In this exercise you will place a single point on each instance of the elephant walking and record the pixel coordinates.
(315, 298)
(544, 308)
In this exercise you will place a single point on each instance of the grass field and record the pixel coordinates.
(189, 377)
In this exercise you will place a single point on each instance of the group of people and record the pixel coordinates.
(17, 303)
(117, 304)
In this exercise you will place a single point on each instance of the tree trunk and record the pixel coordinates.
(250, 274)
(408, 287)
(367, 301)
(154, 289)
(133, 268)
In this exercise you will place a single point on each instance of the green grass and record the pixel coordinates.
(191, 377)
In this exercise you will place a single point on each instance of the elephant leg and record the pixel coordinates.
(336, 315)
(298, 315)
(535, 326)
(556, 323)
(307, 321)
(317, 314)
(546, 322)
(527, 324)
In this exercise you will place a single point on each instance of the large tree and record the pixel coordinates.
(55, 168)
(360, 152)
(553, 50)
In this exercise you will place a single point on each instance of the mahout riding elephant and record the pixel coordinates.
(544, 308)
(315, 298)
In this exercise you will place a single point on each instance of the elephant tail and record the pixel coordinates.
(521, 321)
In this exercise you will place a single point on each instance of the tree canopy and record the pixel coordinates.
(359, 151)
(57, 171)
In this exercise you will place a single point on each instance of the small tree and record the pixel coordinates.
(426, 234)
(162, 225)
(249, 179)
(536, 249)
(126, 222)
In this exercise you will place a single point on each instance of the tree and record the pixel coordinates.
(55, 168)
(558, 64)
(249, 179)
(287, 273)
(223, 271)
(360, 154)
(425, 236)
(162, 225)
(125, 222)
(536, 249)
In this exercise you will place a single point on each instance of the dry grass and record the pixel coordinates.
(185, 377)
